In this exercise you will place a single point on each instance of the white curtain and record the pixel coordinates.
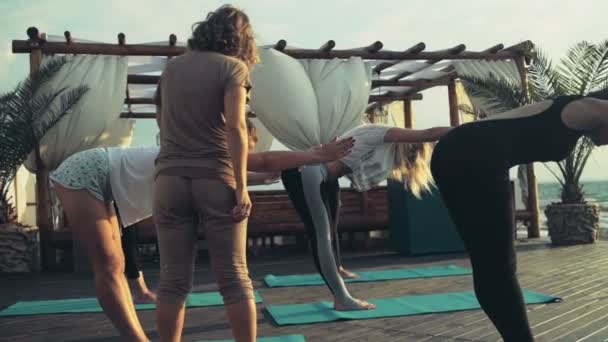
(342, 88)
(309, 102)
(264, 137)
(95, 121)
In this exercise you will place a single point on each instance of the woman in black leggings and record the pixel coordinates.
(470, 166)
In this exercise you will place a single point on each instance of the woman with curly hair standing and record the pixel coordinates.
(201, 170)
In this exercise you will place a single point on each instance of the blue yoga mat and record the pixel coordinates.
(388, 307)
(89, 305)
(284, 338)
(366, 276)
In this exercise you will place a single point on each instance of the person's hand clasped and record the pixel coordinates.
(334, 150)
(243, 205)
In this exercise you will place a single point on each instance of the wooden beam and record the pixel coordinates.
(68, 37)
(328, 46)
(408, 114)
(23, 46)
(533, 200)
(409, 83)
(143, 79)
(44, 219)
(443, 80)
(453, 100)
(373, 105)
(390, 97)
(413, 50)
(495, 48)
(139, 101)
(452, 51)
(394, 97)
(374, 47)
(121, 39)
(525, 48)
(280, 45)
(135, 115)
(153, 79)
(416, 48)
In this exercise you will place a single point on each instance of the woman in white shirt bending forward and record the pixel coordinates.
(88, 182)
(380, 152)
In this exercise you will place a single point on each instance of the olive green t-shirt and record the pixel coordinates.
(190, 96)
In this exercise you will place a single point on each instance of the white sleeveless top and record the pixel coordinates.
(371, 159)
(132, 181)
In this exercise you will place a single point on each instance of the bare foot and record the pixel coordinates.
(146, 297)
(354, 304)
(347, 274)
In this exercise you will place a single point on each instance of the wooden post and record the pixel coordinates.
(44, 219)
(408, 114)
(453, 99)
(532, 203)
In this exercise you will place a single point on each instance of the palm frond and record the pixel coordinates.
(557, 177)
(53, 115)
(543, 79)
(600, 76)
(41, 102)
(584, 153)
(47, 71)
(25, 116)
(498, 94)
(471, 110)
(583, 65)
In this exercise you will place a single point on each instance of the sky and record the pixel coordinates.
(553, 25)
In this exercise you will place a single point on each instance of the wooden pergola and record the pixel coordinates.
(398, 76)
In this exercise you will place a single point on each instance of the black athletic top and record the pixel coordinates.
(504, 143)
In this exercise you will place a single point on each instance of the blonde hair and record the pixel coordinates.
(412, 167)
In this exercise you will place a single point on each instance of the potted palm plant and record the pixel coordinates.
(26, 114)
(572, 220)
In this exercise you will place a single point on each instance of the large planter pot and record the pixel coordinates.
(18, 248)
(572, 224)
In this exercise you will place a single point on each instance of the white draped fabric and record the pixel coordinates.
(95, 121)
(308, 102)
(264, 137)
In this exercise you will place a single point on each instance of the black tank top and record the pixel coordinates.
(504, 143)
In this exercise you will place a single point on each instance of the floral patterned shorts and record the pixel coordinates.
(86, 170)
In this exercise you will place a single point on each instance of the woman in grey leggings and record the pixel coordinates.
(379, 152)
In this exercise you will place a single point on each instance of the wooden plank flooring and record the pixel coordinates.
(578, 274)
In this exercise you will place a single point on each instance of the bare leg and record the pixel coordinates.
(141, 293)
(137, 283)
(347, 274)
(170, 319)
(126, 292)
(94, 227)
(243, 320)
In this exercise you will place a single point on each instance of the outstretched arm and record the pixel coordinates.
(401, 135)
(262, 178)
(281, 160)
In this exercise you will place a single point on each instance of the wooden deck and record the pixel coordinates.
(577, 274)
